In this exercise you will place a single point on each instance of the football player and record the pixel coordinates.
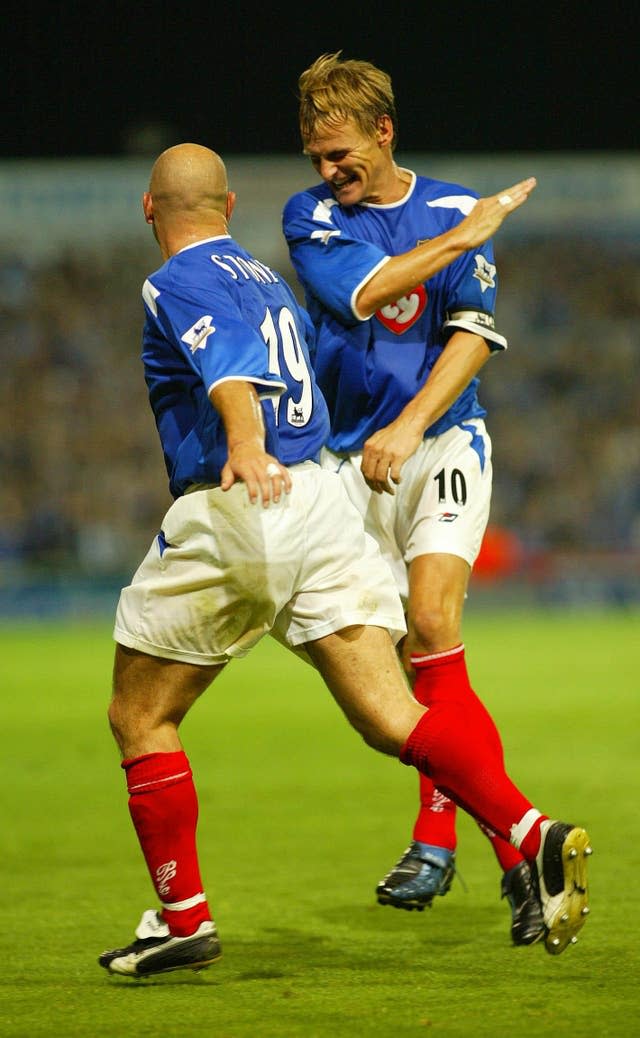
(404, 322)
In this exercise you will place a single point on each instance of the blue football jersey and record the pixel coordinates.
(369, 370)
(213, 313)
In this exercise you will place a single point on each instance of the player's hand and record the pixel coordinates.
(385, 453)
(488, 213)
(265, 477)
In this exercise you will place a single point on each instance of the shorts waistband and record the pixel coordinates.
(193, 487)
(200, 486)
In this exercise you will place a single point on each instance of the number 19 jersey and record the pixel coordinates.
(213, 313)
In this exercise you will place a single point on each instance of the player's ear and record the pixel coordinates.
(384, 130)
(231, 204)
(147, 206)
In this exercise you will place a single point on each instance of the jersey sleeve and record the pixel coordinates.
(471, 296)
(331, 265)
(212, 336)
(471, 280)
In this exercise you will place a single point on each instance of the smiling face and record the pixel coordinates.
(356, 166)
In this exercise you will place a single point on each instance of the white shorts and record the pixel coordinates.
(441, 505)
(224, 572)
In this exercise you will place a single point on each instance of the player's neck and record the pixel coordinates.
(174, 239)
(392, 187)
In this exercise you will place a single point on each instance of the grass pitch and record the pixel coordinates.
(298, 821)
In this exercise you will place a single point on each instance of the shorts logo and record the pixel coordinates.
(399, 316)
(447, 517)
(163, 874)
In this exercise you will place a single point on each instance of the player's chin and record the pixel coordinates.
(349, 193)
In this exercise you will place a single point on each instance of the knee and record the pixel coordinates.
(382, 741)
(389, 732)
(434, 626)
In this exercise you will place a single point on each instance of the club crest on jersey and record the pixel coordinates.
(196, 336)
(402, 314)
(485, 272)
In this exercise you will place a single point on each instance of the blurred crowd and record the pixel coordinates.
(83, 481)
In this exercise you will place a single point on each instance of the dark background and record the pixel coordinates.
(473, 77)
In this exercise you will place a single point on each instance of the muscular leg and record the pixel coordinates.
(363, 673)
(437, 587)
(452, 740)
(151, 696)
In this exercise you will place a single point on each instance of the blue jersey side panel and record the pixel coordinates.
(369, 370)
(215, 313)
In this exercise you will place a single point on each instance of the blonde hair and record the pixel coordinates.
(332, 90)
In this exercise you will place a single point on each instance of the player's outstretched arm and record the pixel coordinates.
(401, 274)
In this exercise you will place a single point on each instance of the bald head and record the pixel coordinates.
(188, 196)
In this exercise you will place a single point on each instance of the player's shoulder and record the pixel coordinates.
(446, 201)
(307, 200)
(187, 274)
(432, 189)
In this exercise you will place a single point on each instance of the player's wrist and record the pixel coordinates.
(458, 239)
(241, 442)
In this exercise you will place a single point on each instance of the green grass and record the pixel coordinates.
(298, 821)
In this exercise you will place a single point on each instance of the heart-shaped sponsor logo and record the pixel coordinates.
(399, 316)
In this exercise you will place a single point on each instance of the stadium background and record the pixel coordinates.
(483, 99)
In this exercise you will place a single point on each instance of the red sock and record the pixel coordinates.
(457, 744)
(436, 821)
(439, 674)
(164, 809)
(443, 677)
